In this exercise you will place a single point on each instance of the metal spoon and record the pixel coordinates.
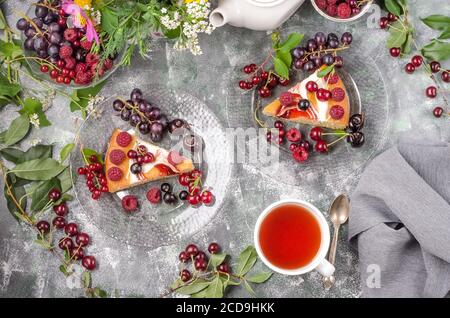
(339, 211)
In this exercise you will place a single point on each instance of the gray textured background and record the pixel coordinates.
(27, 271)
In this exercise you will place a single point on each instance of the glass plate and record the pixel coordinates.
(367, 94)
(154, 225)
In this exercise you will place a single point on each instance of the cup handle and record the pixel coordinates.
(325, 268)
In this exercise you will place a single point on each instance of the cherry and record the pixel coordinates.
(384, 23)
(264, 75)
(247, 69)
(280, 140)
(207, 197)
(43, 227)
(410, 68)
(392, 17)
(312, 86)
(321, 146)
(77, 253)
(82, 239)
(281, 132)
(284, 82)
(184, 257)
(59, 222)
(431, 91)
(132, 154)
(323, 94)
(44, 68)
(316, 133)
(89, 262)
(395, 51)
(62, 22)
(438, 111)
(184, 179)
(194, 199)
(61, 209)
(185, 275)
(224, 268)
(446, 76)
(214, 248)
(264, 92)
(417, 60)
(256, 80)
(71, 229)
(200, 265)
(81, 171)
(192, 250)
(196, 174)
(65, 243)
(201, 255)
(278, 124)
(54, 195)
(148, 158)
(305, 144)
(193, 189)
(272, 82)
(242, 85)
(435, 66)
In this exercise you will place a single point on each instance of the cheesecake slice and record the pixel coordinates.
(163, 163)
(333, 113)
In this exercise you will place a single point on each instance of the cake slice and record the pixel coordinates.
(160, 163)
(332, 113)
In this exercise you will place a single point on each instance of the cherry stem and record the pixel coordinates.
(337, 140)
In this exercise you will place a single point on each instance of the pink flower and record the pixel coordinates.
(80, 19)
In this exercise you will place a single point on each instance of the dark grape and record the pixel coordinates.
(135, 119)
(176, 124)
(347, 38)
(22, 24)
(317, 60)
(298, 63)
(332, 44)
(29, 43)
(144, 128)
(118, 105)
(55, 38)
(54, 27)
(30, 32)
(298, 52)
(53, 59)
(40, 11)
(308, 66)
(144, 106)
(320, 38)
(328, 59)
(136, 95)
(155, 137)
(154, 113)
(125, 114)
(311, 45)
(163, 120)
(40, 44)
(53, 50)
(38, 22)
(338, 61)
(50, 18)
(332, 36)
(136, 168)
(42, 53)
(156, 128)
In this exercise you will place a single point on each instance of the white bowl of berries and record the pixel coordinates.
(58, 50)
(342, 10)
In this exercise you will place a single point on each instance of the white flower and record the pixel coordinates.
(164, 10)
(92, 103)
(34, 120)
(35, 141)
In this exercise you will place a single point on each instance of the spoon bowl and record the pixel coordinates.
(339, 210)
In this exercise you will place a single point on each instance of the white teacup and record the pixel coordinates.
(318, 263)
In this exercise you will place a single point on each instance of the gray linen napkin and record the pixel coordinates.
(400, 221)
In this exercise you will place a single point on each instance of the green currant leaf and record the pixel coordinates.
(437, 22)
(436, 50)
(17, 130)
(259, 278)
(280, 68)
(247, 259)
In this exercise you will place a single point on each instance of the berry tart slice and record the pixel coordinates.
(314, 101)
(131, 161)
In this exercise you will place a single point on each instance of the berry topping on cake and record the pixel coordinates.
(123, 139)
(174, 158)
(331, 78)
(344, 11)
(129, 203)
(154, 195)
(293, 135)
(338, 94)
(337, 112)
(323, 94)
(115, 174)
(117, 156)
(286, 98)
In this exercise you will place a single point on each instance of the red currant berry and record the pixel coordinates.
(264, 92)
(224, 268)
(256, 80)
(273, 82)
(43, 227)
(200, 265)
(431, 91)
(410, 68)
(65, 243)
(384, 23)
(395, 51)
(392, 17)
(269, 136)
(54, 195)
(77, 253)
(242, 84)
(132, 154)
(446, 76)
(194, 199)
(249, 85)
(54, 74)
(184, 257)
(264, 75)
(438, 111)
(81, 171)
(192, 250)
(62, 22)
(185, 275)
(435, 66)
(59, 222)
(316, 133)
(321, 146)
(284, 82)
(61, 209)
(214, 248)
(71, 229)
(82, 239)
(278, 124)
(201, 255)
(323, 94)
(44, 68)
(89, 262)
(417, 60)
(149, 158)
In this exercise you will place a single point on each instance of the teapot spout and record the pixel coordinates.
(218, 17)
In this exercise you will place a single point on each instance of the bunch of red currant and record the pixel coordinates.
(66, 243)
(95, 177)
(264, 81)
(200, 260)
(195, 194)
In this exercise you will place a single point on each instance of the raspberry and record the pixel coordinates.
(80, 67)
(65, 51)
(85, 44)
(70, 34)
(332, 10)
(322, 4)
(129, 203)
(115, 174)
(91, 58)
(331, 79)
(108, 64)
(123, 139)
(154, 195)
(337, 94)
(83, 78)
(344, 11)
(117, 156)
(174, 158)
(70, 63)
(300, 154)
(331, 1)
(337, 112)
(293, 135)
(286, 98)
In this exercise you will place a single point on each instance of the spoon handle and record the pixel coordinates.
(333, 247)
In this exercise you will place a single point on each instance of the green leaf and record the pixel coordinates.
(18, 191)
(172, 34)
(249, 288)
(437, 22)
(407, 46)
(398, 35)
(17, 130)
(217, 259)
(64, 198)
(193, 288)
(259, 278)
(65, 151)
(32, 106)
(215, 289)
(200, 294)
(7, 88)
(291, 42)
(65, 179)
(100, 293)
(38, 169)
(436, 50)
(393, 7)
(286, 57)
(82, 96)
(280, 68)
(90, 152)
(39, 198)
(325, 71)
(86, 279)
(110, 21)
(63, 270)
(9, 50)
(38, 152)
(445, 35)
(12, 154)
(247, 259)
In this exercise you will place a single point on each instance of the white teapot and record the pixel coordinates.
(261, 15)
